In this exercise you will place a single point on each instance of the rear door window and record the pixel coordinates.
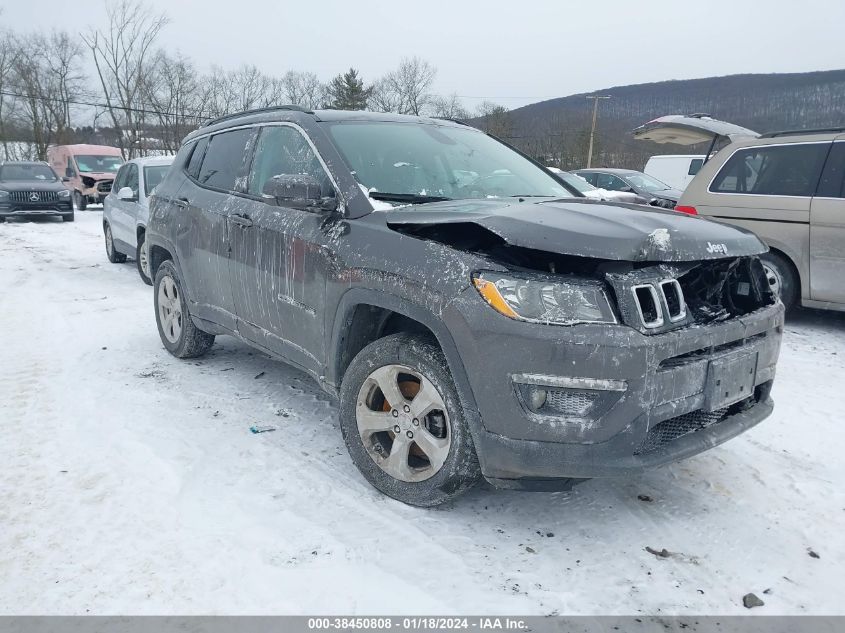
(782, 170)
(832, 184)
(590, 178)
(610, 182)
(223, 164)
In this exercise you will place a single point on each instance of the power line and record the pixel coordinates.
(105, 106)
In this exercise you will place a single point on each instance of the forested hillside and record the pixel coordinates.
(558, 130)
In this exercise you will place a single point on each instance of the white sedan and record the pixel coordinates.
(126, 210)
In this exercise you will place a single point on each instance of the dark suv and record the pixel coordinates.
(473, 317)
(29, 188)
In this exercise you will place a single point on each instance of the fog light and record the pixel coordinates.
(535, 398)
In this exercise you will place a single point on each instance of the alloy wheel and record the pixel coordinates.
(169, 309)
(143, 260)
(773, 277)
(403, 423)
(109, 242)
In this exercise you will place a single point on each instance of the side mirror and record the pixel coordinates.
(627, 189)
(298, 191)
(127, 194)
(69, 172)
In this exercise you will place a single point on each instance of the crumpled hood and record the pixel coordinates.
(587, 228)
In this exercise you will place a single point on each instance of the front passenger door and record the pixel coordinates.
(827, 230)
(280, 258)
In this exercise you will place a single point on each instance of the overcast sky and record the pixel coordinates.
(510, 51)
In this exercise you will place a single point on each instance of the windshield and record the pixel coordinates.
(37, 173)
(642, 181)
(153, 175)
(424, 162)
(98, 164)
(576, 182)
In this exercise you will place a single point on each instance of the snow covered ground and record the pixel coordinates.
(130, 483)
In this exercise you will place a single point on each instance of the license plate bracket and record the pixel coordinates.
(730, 379)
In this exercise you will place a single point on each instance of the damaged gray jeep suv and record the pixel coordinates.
(473, 316)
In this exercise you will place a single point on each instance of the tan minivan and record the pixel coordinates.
(789, 188)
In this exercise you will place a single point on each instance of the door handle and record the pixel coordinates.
(241, 219)
(182, 202)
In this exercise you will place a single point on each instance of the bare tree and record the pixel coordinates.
(383, 97)
(495, 119)
(8, 52)
(64, 80)
(174, 95)
(34, 91)
(122, 55)
(406, 89)
(246, 88)
(449, 107)
(303, 89)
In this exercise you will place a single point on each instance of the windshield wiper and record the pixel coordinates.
(411, 198)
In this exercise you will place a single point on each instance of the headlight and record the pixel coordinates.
(540, 300)
(64, 194)
(3, 194)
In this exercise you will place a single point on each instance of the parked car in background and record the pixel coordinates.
(126, 211)
(88, 170)
(29, 188)
(588, 191)
(676, 170)
(789, 188)
(473, 316)
(648, 190)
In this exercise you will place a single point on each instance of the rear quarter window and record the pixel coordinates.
(195, 161)
(782, 170)
(695, 166)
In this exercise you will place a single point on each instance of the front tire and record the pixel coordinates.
(68, 217)
(782, 278)
(142, 259)
(178, 333)
(80, 201)
(403, 422)
(115, 257)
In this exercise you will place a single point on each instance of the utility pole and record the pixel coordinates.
(595, 99)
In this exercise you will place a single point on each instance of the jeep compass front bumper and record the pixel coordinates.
(558, 403)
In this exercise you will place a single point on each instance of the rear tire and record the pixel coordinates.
(142, 259)
(115, 257)
(782, 277)
(425, 462)
(178, 333)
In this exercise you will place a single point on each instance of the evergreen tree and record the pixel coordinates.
(347, 92)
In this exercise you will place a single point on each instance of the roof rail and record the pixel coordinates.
(821, 130)
(226, 117)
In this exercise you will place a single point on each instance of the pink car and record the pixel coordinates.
(88, 170)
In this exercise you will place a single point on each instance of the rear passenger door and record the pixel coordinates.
(280, 259)
(216, 169)
(827, 229)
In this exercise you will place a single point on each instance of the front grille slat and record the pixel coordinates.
(26, 197)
